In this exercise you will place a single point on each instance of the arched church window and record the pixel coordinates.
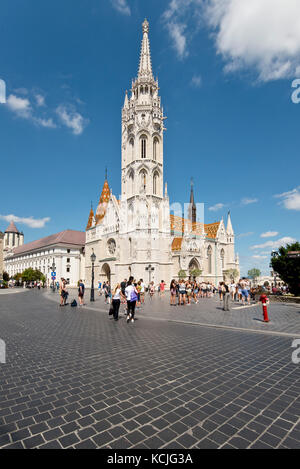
(131, 149)
(222, 258)
(143, 176)
(143, 146)
(155, 183)
(155, 148)
(209, 257)
(131, 183)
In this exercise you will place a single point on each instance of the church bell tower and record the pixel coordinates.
(142, 132)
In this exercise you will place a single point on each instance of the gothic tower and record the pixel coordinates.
(142, 132)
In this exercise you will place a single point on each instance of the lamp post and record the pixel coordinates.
(274, 254)
(53, 270)
(93, 260)
(149, 269)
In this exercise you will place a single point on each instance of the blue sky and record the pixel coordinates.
(225, 71)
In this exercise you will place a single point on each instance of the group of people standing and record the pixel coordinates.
(182, 292)
(129, 293)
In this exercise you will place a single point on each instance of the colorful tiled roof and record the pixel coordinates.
(102, 206)
(177, 225)
(211, 229)
(68, 237)
(90, 221)
(176, 244)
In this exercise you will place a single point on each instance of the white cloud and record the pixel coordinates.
(259, 257)
(20, 106)
(48, 123)
(260, 34)
(40, 100)
(216, 207)
(176, 19)
(244, 235)
(275, 244)
(247, 201)
(269, 234)
(31, 222)
(71, 119)
(291, 199)
(196, 81)
(121, 6)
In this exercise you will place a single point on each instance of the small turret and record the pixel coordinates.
(229, 228)
(91, 219)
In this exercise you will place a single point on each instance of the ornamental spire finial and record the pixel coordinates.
(146, 26)
(145, 67)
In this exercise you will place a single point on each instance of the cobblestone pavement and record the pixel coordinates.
(76, 379)
(285, 318)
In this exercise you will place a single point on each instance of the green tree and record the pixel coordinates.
(254, 274)
(182, 274)
(18, 278)
(30, 275)
(232, 274)
(195, 273)
(5, 277)
(288, 268)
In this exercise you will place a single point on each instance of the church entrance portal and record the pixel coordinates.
(105, 273)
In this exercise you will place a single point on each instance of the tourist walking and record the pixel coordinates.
(81, 289)
(226, 296)
(131, 296)
(116, 301)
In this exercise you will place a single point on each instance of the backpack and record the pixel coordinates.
(133, 296)
(74, 303)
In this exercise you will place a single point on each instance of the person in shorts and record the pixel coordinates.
(244, 291)
(81, 289)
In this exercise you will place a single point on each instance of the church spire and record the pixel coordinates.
(229, 225)
(192, 207)
(145, 67)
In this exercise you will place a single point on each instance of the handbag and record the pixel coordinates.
(111, 310)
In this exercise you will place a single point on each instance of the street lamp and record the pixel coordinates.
(149, 269)
(274, 254)
(53, 270)
(93, 260)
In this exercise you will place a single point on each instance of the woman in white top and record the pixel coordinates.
(116, 301)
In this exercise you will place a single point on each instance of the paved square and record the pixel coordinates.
(76, 379)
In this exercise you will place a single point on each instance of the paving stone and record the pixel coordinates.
(86, 379)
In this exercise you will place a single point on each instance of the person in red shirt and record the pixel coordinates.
(162, 287)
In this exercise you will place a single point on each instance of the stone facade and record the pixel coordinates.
(64, 249)
(136, 235)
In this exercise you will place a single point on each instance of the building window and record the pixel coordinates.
(131, 149)
(155, 183)
(222, 258)
(209, 257)
(143, 147)
(68, 269)
(143, 176)
(68, 251)
(155, 148)
(68, 260)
